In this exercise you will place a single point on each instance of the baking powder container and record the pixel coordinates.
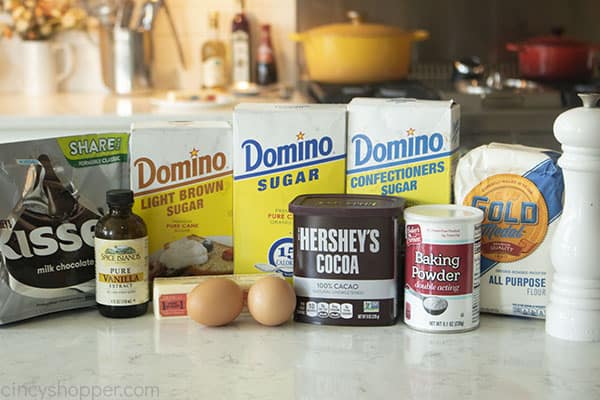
(443, 246)
(346, 258)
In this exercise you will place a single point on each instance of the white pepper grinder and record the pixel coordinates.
(573, 312)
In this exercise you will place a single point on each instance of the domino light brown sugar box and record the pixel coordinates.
(181, 174)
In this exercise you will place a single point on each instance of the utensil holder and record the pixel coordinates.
(126, 59)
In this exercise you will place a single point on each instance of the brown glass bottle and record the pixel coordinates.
(121, 249)
(266, 69)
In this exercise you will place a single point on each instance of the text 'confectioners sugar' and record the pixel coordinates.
(402, 147)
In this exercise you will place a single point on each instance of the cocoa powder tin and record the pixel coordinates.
(443, 251)
(346, 258)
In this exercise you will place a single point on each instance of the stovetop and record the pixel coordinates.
(339, 93)
(555, 94)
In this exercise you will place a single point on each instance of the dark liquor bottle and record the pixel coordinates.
(266, 69)
(121, 247)
(240, 47)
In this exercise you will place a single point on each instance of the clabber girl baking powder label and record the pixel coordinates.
(443, 246)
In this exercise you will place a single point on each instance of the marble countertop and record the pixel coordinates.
(80, 353)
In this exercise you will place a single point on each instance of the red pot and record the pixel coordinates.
(555, 58)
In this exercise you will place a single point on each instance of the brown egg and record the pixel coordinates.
(271, 301)
(215, 302)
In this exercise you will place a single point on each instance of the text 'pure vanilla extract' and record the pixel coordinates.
(121, 249)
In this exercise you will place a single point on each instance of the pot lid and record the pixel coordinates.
(557, 38)
(356, 27)
(347, 205)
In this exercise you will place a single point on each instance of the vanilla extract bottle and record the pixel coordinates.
(121, 253)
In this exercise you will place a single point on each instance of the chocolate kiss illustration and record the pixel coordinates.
(61, 203)
(48, 202)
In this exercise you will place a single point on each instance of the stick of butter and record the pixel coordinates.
(170, 294)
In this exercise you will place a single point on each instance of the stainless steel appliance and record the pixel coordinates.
(126, 59)
(493, 107)
(126, 45)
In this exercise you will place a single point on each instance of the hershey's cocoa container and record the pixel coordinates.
(346, 258)
(443, 251)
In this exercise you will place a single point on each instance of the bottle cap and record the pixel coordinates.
(119, 197)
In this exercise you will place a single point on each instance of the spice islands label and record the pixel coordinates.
(122, 271)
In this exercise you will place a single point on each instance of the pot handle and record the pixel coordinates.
(513, 47)
(420, 35)
(297, 37)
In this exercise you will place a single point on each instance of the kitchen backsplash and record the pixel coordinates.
(191, 17)
(464, 27)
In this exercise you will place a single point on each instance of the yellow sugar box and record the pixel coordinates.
(280, 152)
(403, 147)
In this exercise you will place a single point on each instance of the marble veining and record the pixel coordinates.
(506, 358)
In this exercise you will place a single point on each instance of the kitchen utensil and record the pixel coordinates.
(146, 22)
(126, 59)
(357, 52)
(126, 48)
(554, 58)
(573, 312)
(104, 10)
(468, 68)
(124, 13)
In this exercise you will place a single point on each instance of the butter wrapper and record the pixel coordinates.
(170, 294)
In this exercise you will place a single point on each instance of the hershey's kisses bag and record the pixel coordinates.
(52, 192)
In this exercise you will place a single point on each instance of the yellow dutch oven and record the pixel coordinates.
(357, 52)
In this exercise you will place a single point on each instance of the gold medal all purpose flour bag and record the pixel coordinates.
(520, 190)
(52, 193)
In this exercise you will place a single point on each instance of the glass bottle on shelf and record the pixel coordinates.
(213, 56)
(266, 68)
(240, 47)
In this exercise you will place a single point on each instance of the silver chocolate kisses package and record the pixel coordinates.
(52, 192)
